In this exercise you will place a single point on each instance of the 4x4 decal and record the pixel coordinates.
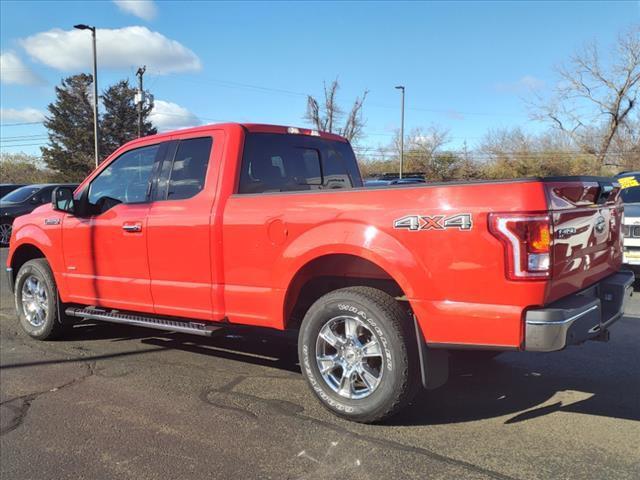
(416, 223)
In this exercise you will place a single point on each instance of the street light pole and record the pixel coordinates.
(401, 87)
(95, 90)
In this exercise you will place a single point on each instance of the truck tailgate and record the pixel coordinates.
(586, 217)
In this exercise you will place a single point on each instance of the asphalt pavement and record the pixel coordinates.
(124, 402)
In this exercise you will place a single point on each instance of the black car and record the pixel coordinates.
(20, 202)
(8, 187)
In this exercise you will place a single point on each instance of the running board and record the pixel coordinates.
(159, 323)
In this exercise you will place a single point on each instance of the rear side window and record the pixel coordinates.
(281, 163)
(189, 168)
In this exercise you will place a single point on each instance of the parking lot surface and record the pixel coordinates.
(125, 402)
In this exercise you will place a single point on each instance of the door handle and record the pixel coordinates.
(132, 227)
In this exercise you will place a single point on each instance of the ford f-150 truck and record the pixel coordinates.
(271, 226)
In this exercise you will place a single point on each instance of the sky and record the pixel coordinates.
(468, 67)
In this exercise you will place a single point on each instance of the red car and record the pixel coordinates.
(271, 226)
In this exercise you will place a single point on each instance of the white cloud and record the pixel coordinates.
(144, 9)
(23, 115)
(70, 50)
(13, 70)
(171, 116)
(524, 84)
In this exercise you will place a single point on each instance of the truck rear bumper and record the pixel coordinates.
(579, 317)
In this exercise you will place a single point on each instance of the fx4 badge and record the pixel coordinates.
(415, 223)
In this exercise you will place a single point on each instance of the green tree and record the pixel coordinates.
(70, 124)
(120, 120)
(70, 129)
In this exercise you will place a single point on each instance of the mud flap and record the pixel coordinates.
(434, 363)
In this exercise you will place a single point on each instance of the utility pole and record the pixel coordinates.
(140, 97)
(95, 90)
(401, 87)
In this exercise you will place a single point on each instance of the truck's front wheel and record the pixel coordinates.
(36, 298)
(358, 353)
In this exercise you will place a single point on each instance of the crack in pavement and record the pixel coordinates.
(243, 403)
(21, 410)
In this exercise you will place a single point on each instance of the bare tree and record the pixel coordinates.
(326, 116)
(593, 99)
(426, 142)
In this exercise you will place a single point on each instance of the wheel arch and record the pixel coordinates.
(329, 272)
(22, 254)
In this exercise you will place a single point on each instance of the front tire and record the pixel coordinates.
(359, 354)
(36, 297)
(5, 232)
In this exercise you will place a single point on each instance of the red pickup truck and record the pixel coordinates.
(271, 226)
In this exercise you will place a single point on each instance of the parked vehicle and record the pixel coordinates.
(269, 226)
(392, 181)
(630, 183)
(8, 187)
(22, 201)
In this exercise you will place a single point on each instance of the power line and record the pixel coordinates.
(22, 137)
(23, 145)
(21, 123)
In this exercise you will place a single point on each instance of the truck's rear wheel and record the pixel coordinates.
(36, 299)
(359, 354)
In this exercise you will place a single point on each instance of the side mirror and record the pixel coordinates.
(62, 200)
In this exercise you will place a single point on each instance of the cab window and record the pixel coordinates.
(126, 179)
(183, 173)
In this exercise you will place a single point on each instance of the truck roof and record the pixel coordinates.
(251, 127)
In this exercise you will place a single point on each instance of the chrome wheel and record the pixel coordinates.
(349, 357)
(5, 233)
(34, 301)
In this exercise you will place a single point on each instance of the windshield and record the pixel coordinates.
(631, 195)
(20, 195)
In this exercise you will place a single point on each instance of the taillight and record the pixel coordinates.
(527, 238)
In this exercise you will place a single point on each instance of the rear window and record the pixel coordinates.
(285, 163)
(631, 195)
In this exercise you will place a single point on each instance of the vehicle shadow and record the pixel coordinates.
(523, 386)
(258, 346)
(595, 378)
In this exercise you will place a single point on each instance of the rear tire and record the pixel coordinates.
(36, 297)
(364, 343)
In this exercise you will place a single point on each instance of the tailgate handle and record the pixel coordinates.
(605, 191)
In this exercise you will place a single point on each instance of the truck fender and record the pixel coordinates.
(35, 236)
(350, 238)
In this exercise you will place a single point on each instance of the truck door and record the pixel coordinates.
(106, 253)
(182, 238)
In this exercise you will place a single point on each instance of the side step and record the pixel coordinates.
(159, 323)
